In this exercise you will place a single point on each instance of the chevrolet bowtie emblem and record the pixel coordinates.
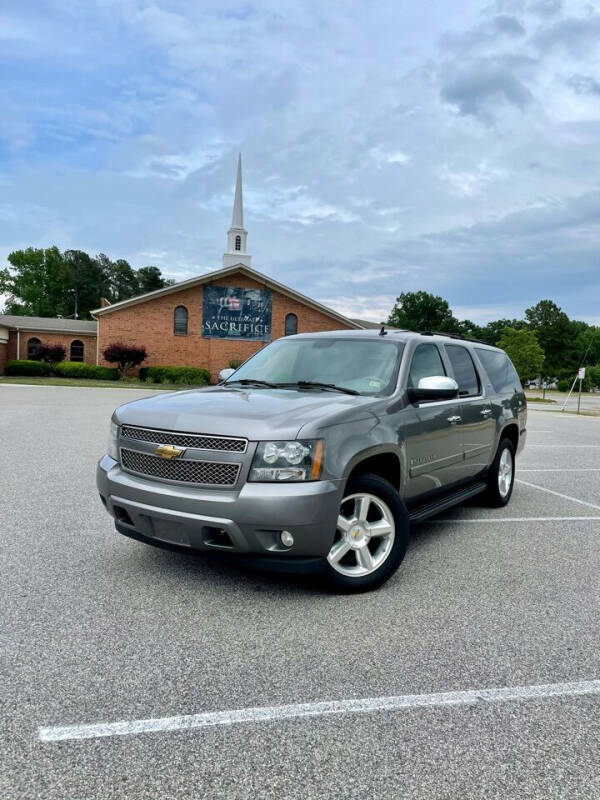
(169, 451)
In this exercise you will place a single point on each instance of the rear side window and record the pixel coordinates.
(464, 370)
(503, 376)
(426, 363)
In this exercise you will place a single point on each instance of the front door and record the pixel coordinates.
(477, 423)
(434, 434)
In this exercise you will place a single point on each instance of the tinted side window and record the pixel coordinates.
(464, 370)
(426, 362)
(503, 376)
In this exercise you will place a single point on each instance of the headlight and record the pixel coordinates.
(300, 460)
(113, 445)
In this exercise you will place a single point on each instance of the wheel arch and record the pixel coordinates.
(379, 461)
(510, 432)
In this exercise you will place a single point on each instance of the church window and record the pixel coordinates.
(291, 325)
(180, 321)
(33, 348)
(238, 242)
(76, 353)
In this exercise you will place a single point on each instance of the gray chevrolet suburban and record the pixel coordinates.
(319, 451)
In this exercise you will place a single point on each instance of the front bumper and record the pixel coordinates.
(248, 521)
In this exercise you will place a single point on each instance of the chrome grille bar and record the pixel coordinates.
(207, 473)
(201, 441)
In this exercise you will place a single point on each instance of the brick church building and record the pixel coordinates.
(206, 321)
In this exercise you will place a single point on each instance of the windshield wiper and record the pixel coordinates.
(253, 382)
(319, 385)
(296, 384)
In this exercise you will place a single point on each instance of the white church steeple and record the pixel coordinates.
(237, 234)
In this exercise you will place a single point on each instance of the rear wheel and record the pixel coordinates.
(501, 475)
(371, 536)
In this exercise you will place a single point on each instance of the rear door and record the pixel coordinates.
(433, 436)
(478, 425)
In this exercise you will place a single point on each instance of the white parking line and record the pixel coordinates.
(557, 494)
(485, 520)
(561, 469)
(362, 706)
(587, 446)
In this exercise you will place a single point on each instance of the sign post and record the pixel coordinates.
(581, 376)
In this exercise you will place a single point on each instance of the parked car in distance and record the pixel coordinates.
(319, 451)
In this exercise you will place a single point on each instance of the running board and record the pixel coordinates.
(421, 513)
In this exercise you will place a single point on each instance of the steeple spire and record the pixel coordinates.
(237, 218)
(237, 234)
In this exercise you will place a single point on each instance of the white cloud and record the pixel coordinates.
(458, 154)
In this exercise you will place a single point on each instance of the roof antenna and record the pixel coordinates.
(383, 331)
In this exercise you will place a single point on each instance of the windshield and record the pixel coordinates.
(368, 367)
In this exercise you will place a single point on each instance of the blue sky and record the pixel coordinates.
(388, 147)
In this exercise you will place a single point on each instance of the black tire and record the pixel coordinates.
(383, 492)
(494, 497)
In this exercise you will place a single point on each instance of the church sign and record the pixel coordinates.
(232, 313)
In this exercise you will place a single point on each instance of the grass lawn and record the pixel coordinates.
(35, 381)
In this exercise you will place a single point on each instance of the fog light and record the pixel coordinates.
(287, 540)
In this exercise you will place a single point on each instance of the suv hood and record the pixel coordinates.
(256, 414)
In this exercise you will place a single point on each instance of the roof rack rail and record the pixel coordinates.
(455, 336)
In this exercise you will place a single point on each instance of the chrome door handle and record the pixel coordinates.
(486, 411)
(453, 420)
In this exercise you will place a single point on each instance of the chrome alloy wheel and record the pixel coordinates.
(364, 538)
(505, 472)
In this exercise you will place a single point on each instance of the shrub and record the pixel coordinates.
(26, 367)
(235, 363)
(77, 369)
(194, 376)
(125, 356)
(563, 385)
(51, 353)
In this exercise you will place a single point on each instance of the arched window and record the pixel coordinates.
(33, 348)
(238, 242)
(76, 353)
(291, 324)
(180, 321)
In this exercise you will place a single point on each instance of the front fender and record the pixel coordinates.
(349, 444)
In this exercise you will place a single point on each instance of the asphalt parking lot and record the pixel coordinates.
(97, 628)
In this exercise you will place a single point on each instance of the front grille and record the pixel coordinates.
(199, 440)
(186, 471)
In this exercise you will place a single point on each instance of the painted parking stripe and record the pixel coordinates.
(560, 469)
(485, 520)
(586, 446)
(557, 494)
(361, 706)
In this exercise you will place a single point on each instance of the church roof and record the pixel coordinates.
(222, 273)
(56, 324)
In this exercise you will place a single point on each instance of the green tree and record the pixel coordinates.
(524, 351)
(149, 279)
(492, 332)
(592, 376)
(552, 328)
(422, 311)
(85, 279)
(122, 281)
(47, 283)
(36, 282)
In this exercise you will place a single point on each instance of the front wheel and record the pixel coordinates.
(501, 475)
(371, 536)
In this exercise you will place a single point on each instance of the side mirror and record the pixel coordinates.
(436, 387)
(224, 374)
